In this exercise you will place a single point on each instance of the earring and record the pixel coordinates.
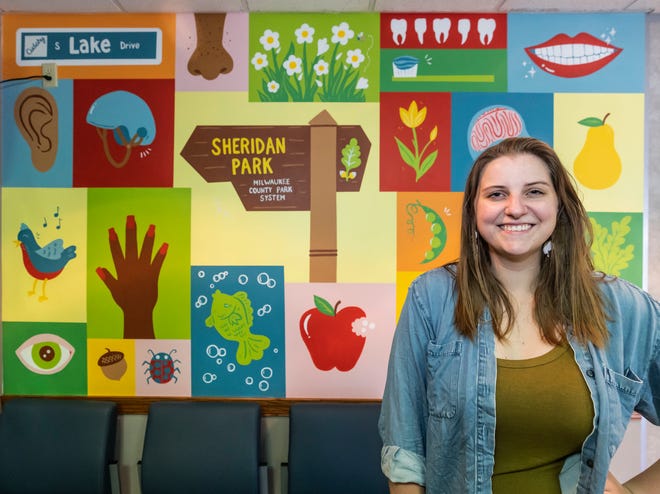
(547, 247)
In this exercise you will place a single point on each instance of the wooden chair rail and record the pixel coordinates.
(139, 405)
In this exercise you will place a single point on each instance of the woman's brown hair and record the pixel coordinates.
(567, 292)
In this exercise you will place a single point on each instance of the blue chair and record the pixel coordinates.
(202, 447)
(335, 447)
(57, 446)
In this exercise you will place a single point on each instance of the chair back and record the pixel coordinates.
(335, 447)
(57, 446)
(201, 447)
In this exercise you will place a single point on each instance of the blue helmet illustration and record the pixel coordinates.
(127, 116)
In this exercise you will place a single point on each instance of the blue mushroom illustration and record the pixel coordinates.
(127, 117)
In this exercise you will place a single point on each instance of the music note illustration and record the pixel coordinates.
(45, 222)
(56, 213)
(59, 223)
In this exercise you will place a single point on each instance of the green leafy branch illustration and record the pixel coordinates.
(350, 158)
(609, 253)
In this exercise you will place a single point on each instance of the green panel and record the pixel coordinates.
(446, 71)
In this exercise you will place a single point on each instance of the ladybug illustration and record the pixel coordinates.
(161, 367)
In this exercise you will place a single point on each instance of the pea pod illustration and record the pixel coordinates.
(438, 239)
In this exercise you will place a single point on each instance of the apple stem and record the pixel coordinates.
(605, 118)
(337, 305)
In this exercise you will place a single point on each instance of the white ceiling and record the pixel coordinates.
(108, 6)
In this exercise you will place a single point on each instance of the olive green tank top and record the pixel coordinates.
(544, 413)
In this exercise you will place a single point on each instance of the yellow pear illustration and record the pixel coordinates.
(598, 165)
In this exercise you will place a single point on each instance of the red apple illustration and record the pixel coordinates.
(334, 338)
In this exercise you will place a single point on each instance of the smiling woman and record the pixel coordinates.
(516, 208)
(490, 350)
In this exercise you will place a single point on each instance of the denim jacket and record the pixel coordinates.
(438, 411)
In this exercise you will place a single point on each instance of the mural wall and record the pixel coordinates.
(233, 205)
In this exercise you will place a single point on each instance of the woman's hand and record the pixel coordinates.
(613, 486)
(646, 482)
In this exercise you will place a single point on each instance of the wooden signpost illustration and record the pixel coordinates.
(287, 168)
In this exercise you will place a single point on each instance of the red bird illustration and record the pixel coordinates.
(43, 263)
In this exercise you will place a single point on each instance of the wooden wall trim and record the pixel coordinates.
(139, 405)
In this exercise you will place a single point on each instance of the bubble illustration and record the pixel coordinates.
(214, 351)
(264, 310)
(220, 276)
(264, 279)
(208, 377)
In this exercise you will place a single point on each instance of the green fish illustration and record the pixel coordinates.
(231, 315)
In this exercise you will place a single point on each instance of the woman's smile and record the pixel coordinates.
(516, 207)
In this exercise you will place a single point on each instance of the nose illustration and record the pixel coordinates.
(210, 58)
(35, 112)
(127, 117)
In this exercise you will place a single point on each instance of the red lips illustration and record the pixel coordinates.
(579, 56)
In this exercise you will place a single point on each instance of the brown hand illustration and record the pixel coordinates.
(135, 289)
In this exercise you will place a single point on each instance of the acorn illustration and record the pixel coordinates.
(113, 364)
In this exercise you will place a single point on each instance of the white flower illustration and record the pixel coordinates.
(273, 86)
(270, 40)
(322, 46)
(341, 34)
(355, 57)
(259, 60)
(293, 65)
(321, 67)
(362, 83)
(304, 34)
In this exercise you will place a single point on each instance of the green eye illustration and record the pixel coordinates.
(45, 353)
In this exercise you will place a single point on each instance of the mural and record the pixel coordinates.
(235, 204)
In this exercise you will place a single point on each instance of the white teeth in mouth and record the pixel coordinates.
(573, 54)
(464, 29)
(399, 28)
(441, 29)
(486, 28)
(516, 228)
(420, 29)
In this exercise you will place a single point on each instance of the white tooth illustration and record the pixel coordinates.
(420, 29)
(486, 28)
(399, 28)
(441, 29)
(464, 29)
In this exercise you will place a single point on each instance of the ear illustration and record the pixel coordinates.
(35, 112)
(210, 59)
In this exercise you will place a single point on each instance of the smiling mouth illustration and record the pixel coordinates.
(564, 56)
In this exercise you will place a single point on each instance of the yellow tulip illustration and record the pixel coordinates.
(412, 118)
